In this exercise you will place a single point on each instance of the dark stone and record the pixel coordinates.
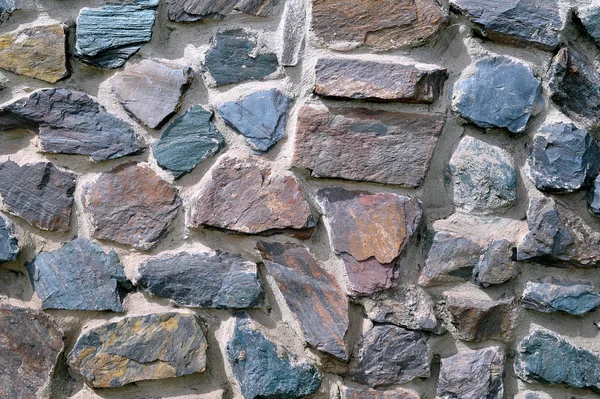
(589, 17)
(70, 122)
(576, 298)
(398, 393)
(200, 10)
(368, 276)
(39, 193)
(6, 9)
(354, 143)
(9, 246)
(498, 93)
(594, 197)
(79, 276)
(292, 27)
(150, 347)
(204, 280)
(496, 265)
(265, 371)
(312, 294)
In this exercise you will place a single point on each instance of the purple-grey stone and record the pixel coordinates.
(496, 265)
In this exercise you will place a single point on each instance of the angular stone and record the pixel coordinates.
(381, 24)
(498, 92)
(369, 80)
(482, 178)
(200, 10)
(398, 393)
(312, 294)
(150, 347)
(70, 122)
(515, 22)
(152, 90)
(391, 355)
(496, 265)
(368, 276)
(533, 395)
(233, 58)
(265, 371)
(260, 117)
(130, 205)
(245, 197)
(594, 197)
(39, 193)
(589, 18)
(6, 9)
(354, 143)
(472, 374)
(205, 280)
(30, 345)
(79, 276)
(9, 246)
(576, 298)
(292, 28)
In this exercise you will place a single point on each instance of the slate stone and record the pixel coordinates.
(9, 245)
(594, 197)
(292, 28)
(576, 298)
(354, 143)
(381, 81)
(260, 117)
(498, 92)
(200, 10)
(563, 158)
(152, 90)
(244, 196)
(368, 276)
(233, 58)
(589, 18)
(130, 205)
(39, 193)
(515, 22)
(30, 345)
(496, 265)
(79, 276)
(70, 122)
(263, 370)
(205, 280)
(472, 374)
(150, 347)
(398, 393)
(380, 24)
(312, 294)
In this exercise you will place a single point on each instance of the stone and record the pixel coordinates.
(9, 245)
(234, 57)
(264, 370)
(389, 354)
(589, 18)
(39, 193)
(260, 117)
(204, 280)
(200, 10)
(38, 52)
(312, 294)
(368, 276)
(497, 265)
(472, 374)
(398, 393)
(354, 143)
(244, 196)
(6, 9)
(79, 276)
(107, 36)
(498, 92)
(70, 122)
(380, 81)
(130, 205)
(187, 141)
(139, 348)
(515, 22)
(382, 25)
(576, 298)
(594, 197)
(482, 178)
(30, 345)
(533, 395)
(292, 30)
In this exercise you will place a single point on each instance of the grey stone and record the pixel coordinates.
(576, 298)
(496, 265)
(594, 197)
(200, 10)
(6, 9)
(398, 393)
(532, 395)
(589, 17)
(292, 27)
(9, 245)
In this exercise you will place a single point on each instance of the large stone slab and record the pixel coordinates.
(572, 297)
(292, 29)
(588, 15)
(497, 265)
(312, 294)
(200, 10)
(9, 245)
(354, 143)
(398, 393)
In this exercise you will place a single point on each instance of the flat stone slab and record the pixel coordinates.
(200, 10)
(497, 265)
(353, 143)
(9, 245)
(572, 297)
(398, 393)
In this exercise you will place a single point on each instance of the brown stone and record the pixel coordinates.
(368, 276)
(366, 145)
(130, 205)
(398, 393)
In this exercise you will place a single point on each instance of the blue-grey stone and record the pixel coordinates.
(79, 276)
(260, 117)
(9, 246)
(189, 140)
(496, 265)
(590, 18)
(498, 93)
(6, 8)
(594, 197)
(200, 10)
(576, 298)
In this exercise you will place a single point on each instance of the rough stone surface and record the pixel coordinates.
(594, 197)
(398, 393)
(312, 294)
(499, 92)
(353, 143)
(9, 245)
(205, 280)
(496, 265)
(368, 276)
(200, 10)
(292, 27)
(589, 18)
(533, 395)
(576, 298)
(130, 205)
(6, 9)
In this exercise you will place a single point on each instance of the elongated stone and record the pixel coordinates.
(576, 298)
(496, 265)
(368, 276)
(292, 28)
(200, 10)
(398, 393)
(594, 197)
(589, 18)
(9, 245)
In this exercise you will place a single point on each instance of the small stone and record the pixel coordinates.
(354, 143)
(204, 280)
(369, 80)
(150, 347)
(576, 298)
(312, 294)
(533, 395)
(496, 265)
(6, 9)
(260, 117)
(9, 246)
(292, 28)
(130, 205)
(368, 276)
(39, 193)
(472, 374)
(589, 18)
(200, 10)
(79, 276)
(265, 371)
(398, 393)
(29, 351)
(498, 92)
(594, 197)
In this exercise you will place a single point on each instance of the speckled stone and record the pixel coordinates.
(9, 245)
(553, 295)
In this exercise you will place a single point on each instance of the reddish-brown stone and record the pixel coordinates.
(368, 276)
(398, 393)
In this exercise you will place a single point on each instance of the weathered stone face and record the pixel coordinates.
(533, 395)
(594, 197)
(368, 276)
(496, 265)
(6, 9)
(589, 18)
(200, 10)
(292, 26)
(576, 298)
(9, 246)
(398, 393)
